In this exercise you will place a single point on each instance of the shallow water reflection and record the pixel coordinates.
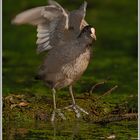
(76, 130)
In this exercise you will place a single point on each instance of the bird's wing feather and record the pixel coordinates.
(32, 16)
(76, 18)
(49, 32)
(50, 21)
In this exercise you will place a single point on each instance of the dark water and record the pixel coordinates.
(77, 130)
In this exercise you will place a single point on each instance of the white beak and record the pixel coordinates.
(93, 33)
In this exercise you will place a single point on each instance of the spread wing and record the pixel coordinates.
(48, 20)
(50, 32)
(76, 18)
(51, 22)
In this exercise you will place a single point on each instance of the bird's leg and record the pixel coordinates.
(75, 107)
(54, 104)
(58, 111)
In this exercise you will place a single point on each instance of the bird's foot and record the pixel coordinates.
(77, 110)
(59, 113)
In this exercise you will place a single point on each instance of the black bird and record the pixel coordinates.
(68, 37)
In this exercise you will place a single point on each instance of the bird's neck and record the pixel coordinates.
(85, 40)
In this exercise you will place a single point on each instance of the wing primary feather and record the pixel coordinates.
(42, 40)
(52, 2)
(42, 35)
(42, 48)
(31, 16)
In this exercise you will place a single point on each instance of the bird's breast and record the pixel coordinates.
(75, 68)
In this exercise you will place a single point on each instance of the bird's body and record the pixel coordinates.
(68, 38)
(64, 65)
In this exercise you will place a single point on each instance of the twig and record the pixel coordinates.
(108, 92)
(94, 86)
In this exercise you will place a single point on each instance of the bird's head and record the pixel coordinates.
(88, 32)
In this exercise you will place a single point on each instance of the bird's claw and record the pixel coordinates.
(77, 110)
(57, 111)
